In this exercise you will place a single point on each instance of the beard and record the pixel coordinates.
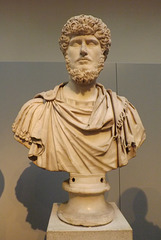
(84, 76)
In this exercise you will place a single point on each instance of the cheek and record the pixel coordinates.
(97, 54)
(72, 53)
(98, 57)
(69, 54)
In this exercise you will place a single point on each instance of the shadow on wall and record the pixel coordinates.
(38, 189)
(135, 208)
(1, 183)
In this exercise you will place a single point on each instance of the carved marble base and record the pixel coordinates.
(87, 205)
(118, 229)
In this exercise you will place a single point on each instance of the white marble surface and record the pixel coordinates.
(118, 229)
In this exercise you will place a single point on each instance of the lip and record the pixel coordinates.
(82, 59)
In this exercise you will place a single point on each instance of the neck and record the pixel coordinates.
(81, 92)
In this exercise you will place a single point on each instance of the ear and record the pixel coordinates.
(105, 54)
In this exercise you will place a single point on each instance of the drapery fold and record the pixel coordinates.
(72, 136)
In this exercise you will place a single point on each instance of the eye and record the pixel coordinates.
(92, 42)
(75, 43)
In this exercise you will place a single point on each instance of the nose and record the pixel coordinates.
(83, 50)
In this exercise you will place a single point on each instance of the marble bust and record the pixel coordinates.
(79, 126)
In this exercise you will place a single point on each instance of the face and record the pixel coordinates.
(84, 52)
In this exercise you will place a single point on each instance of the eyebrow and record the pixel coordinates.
(75, 40)
(92, 40)
(88, 40)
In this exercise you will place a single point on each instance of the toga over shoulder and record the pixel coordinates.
(61, 136)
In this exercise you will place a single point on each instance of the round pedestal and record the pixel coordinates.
(86, 205)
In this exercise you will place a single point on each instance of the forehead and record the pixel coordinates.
(84, 37)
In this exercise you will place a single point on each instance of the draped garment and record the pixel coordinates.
(80, 137)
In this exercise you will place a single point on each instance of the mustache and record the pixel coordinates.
(83, 58)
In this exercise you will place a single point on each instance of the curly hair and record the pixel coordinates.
(85, 25)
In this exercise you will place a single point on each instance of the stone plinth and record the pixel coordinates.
(87, 205)
(118, 229)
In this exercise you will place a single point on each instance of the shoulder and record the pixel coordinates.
(35, 107)
(120, 100)
(50, 95)
(116, 97)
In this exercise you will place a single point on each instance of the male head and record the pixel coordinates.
(85, 43)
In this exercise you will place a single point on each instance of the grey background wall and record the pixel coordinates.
(29, 29)
(31, 62)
